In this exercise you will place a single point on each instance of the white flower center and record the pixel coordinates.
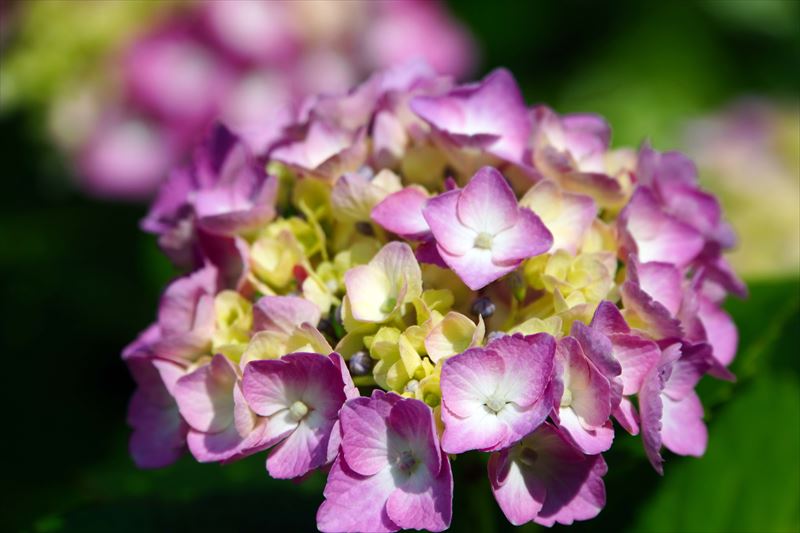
(495, 404)
(406, 461)
(483, 240)
(298, 410)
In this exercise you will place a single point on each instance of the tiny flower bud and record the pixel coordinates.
(360, 364)
(365, 228)
(483, 306)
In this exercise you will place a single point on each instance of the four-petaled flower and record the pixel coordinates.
(481, 232)
(494, 396)
(391, 473)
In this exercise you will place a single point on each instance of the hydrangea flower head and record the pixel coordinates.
(419, 269)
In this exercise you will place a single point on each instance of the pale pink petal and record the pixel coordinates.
(528, 366)
(482, 430)
(520, 496)
(354, 502)
(205, 396)
(637, 356)
(365, 438)
(401, 213)
(592, 441)
(304, 450)
(662, 282)
(424, 501)
(625, 413)
(720, 330)
(475, 267)
(487, 204)
(283, 313)
(656, 235)
(442, 218)
(683, 431)
(527, 238)
(469, 379)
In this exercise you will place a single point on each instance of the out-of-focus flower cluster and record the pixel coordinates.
(176, 66)
(418, 269)
(751, 149)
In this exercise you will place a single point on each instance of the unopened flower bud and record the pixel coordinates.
(360, 364)
(484, 307)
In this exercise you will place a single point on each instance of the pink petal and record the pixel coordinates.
(625, 413)
(527, 238)
(365, 438)
(662, 282)
(657, 236)
(424, 501)
(493, 108)
(683, 431)
(520, 496)
(475, 267)
(591, 441)
(637, 356)
(304, 450)
(720, 330)
(205, 396)
(468, 379)
(401, 213)
(184, 306)
(412, 421)
(283, 313)
(354, 502)
(450, 234)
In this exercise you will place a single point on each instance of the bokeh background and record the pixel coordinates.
(718, 79)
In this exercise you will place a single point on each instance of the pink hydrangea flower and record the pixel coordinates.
(494, 396)
(481, 232)
(300, 394)
(547, 480)
(390, 466)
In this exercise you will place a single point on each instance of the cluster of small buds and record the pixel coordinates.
(248, 62)
(419, 269)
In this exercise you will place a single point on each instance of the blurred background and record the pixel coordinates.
(717, 79)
